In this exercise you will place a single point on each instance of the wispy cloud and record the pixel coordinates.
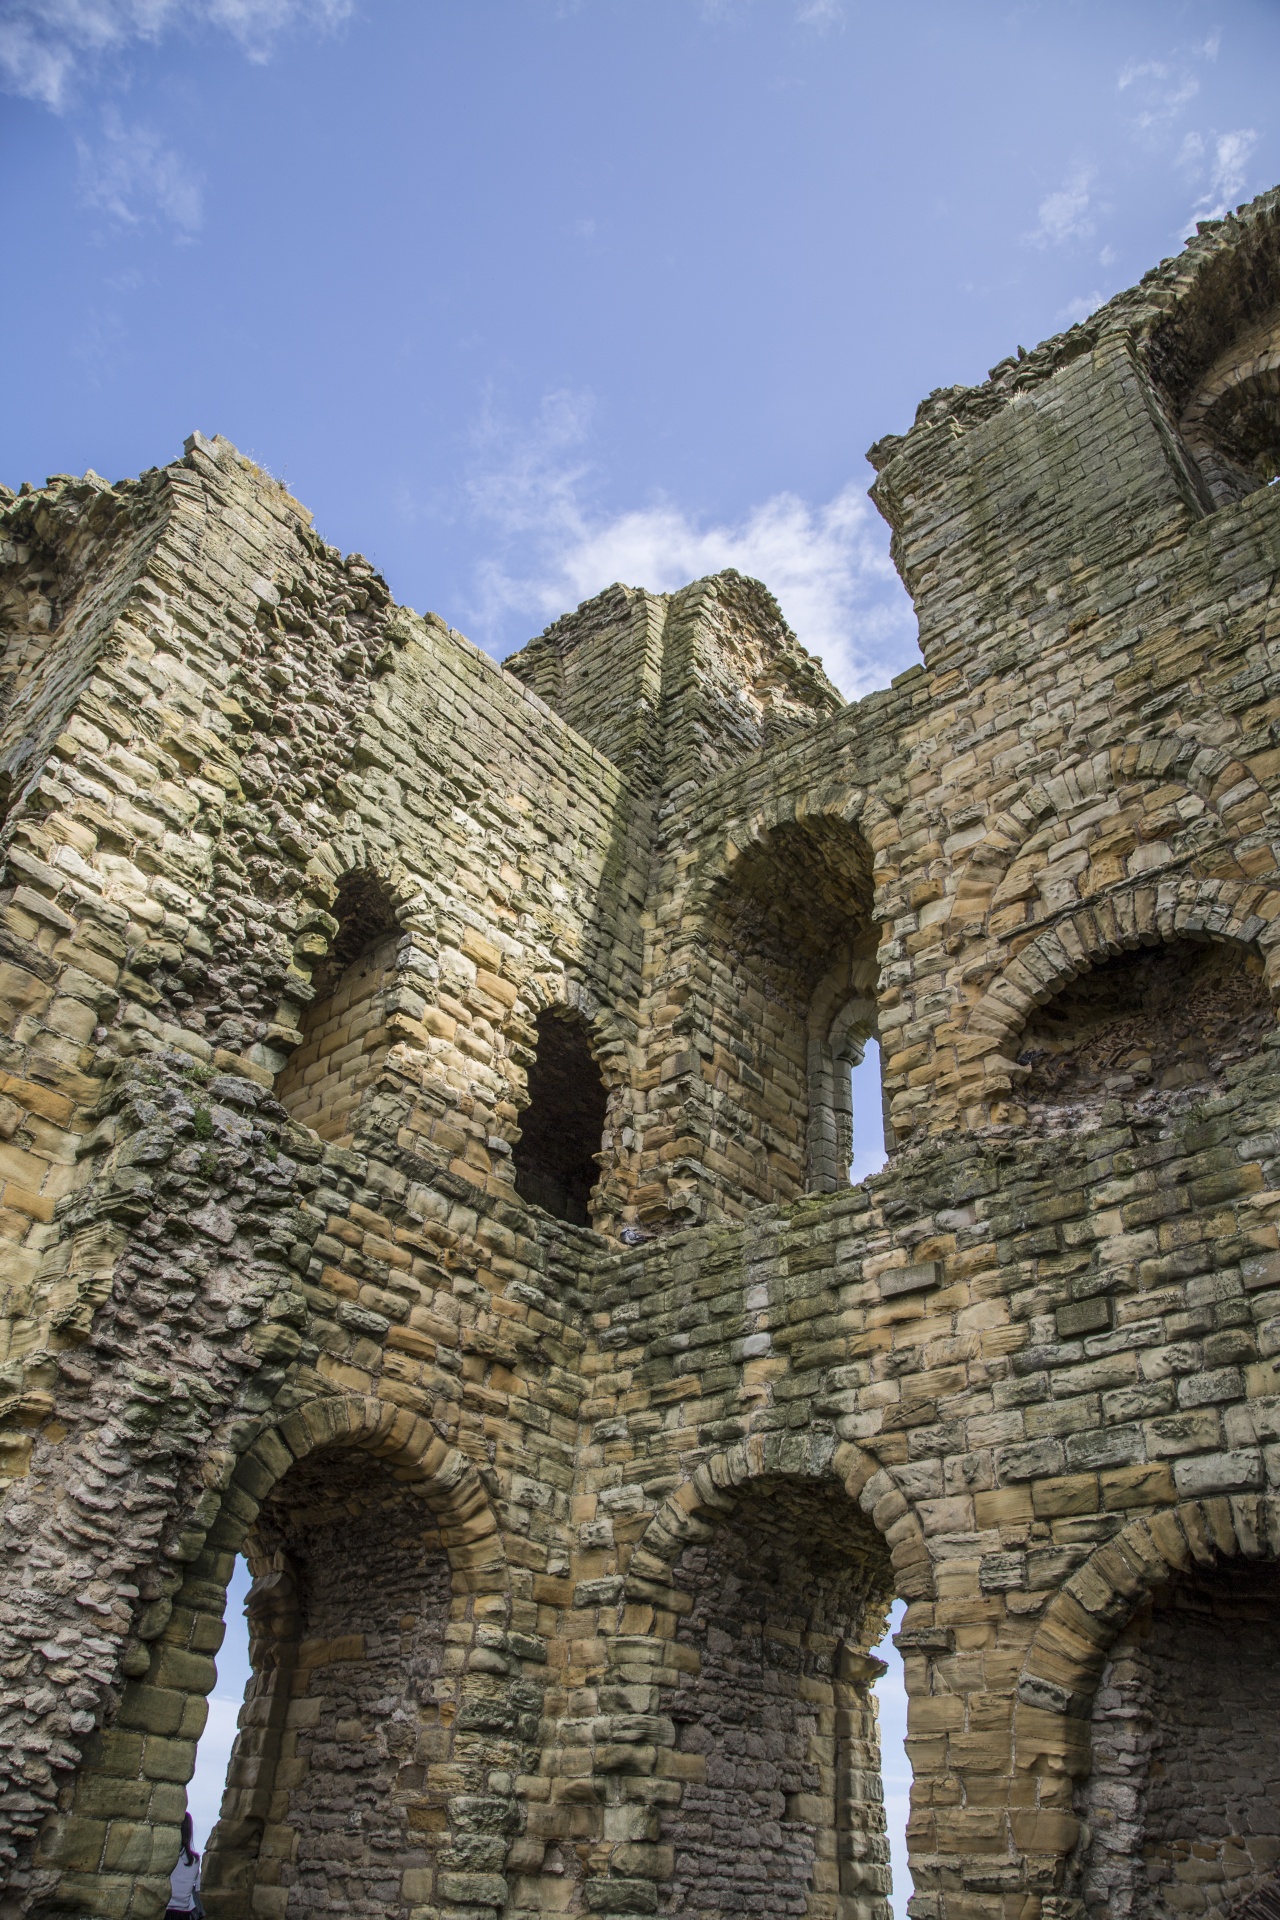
(823, 16)
(828, 564)
(1066, 214)
(1081, 308)
(132, 177)
(1219, 162)
(1160, 89)
(48, 47)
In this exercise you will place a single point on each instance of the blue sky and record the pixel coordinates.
(522, 296)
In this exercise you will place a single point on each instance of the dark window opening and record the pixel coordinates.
(562, 1126)
(1158, 1026)
(365, 913)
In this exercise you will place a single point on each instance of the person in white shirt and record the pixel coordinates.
(184, 1881)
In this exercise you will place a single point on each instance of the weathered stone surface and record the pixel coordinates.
(328, 949)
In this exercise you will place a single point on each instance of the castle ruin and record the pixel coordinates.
(425, 1132)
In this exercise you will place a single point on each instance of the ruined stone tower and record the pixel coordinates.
(425, 1117)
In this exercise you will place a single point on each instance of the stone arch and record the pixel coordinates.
(780, 914)
(329, 866)
(703, 1496)
(113, 1851)
(1222, 783)
(1070, 1649)
(836, 801)
(365, 993)
(1231, 425)
(1236, 912)
(799, 1677)
(1220, 320)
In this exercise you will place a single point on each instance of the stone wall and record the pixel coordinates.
(629, 1498)
(1180, 1808)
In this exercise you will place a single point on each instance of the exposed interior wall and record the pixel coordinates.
(775, 1721)
(1157, 1027)
(1183, 1801)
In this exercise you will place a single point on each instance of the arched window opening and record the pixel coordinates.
(775, 1714)
(1180, 1810)
(344, 1038)
(869, 1127)
(562, 1127)
(792, 948)
(847, 1123)
(1231, 424)
(1158, 1027)
(348, 1619)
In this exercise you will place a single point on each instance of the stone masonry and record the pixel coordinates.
(424, 1144)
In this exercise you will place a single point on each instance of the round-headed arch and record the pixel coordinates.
(720, 866)
(1224, 784)
(1066, 1657)
(691, 1510)
(1236, 912)
(411, 1445)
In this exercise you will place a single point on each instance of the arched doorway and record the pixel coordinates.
(775, 1726)
(1181, 1807)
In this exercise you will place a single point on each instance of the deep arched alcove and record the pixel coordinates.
(343, 1031)
(348, 1616)
(1182, 1803)
(791, 947)
(1160, 1025)
(776, 1734)
(562, 1127)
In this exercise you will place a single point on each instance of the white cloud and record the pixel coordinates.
(1219, 162)
(1065, 214)
(1081, 308)
(828, 565)
(1161, 89)
(133, 177)
(822, 15)
(48, 46)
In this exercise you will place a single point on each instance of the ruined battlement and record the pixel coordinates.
(425, 1135)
